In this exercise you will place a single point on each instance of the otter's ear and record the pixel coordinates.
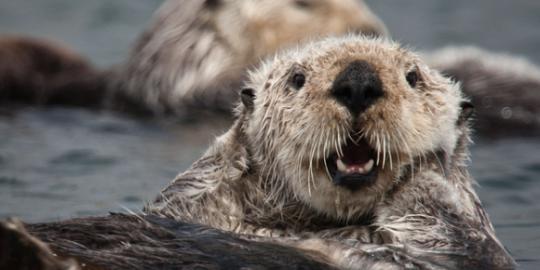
(212, 4)
(247, 95)
(467, 109)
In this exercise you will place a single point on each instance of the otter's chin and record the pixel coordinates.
(356, 168)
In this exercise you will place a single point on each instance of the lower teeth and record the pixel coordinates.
(365, 168)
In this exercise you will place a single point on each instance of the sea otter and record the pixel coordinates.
(197, 52)
(351, 139)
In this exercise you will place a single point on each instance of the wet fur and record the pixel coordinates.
(265, 175)
(120, 241)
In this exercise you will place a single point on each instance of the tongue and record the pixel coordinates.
(356, 153)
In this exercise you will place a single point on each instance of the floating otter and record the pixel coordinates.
(196, 52)
(347, 131)
(349, 148)
(193, 55)
(504, 89)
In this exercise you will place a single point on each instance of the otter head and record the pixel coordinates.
(256, 28)
(338, 122)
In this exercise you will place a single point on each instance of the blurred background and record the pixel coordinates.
(58, 163)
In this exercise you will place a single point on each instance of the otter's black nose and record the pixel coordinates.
(357, 87)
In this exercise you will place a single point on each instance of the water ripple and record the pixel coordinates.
(84, 157)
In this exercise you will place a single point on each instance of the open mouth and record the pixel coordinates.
(356, 167)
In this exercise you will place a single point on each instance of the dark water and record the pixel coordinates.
(59, 163)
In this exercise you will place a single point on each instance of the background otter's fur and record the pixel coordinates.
(194, 54)
(197, 52)
(504, 89)
(40, 72)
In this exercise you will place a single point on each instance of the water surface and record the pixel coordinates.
(61, 163)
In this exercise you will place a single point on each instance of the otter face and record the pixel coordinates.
(269, 25)
(337, 123)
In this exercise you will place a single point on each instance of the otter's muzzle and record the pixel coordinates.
(357, 87)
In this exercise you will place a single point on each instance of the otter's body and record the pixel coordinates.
(45, 73)
(340, 134)
(505, 89)
(196, 53)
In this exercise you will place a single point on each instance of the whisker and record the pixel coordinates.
(384, 152)
(378, 146)
(326, 142)
(389, 149)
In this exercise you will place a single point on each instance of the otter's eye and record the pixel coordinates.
(298, 80)
(412, 78)
(303, 4)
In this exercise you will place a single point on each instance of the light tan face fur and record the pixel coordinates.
(293, 131)
(256, 28)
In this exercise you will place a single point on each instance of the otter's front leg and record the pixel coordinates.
(439, 217)
(353, 254)
(362, 234)
(350, 247)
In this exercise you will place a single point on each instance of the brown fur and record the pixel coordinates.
(42, 73)
(120, 241)
(20, 250)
